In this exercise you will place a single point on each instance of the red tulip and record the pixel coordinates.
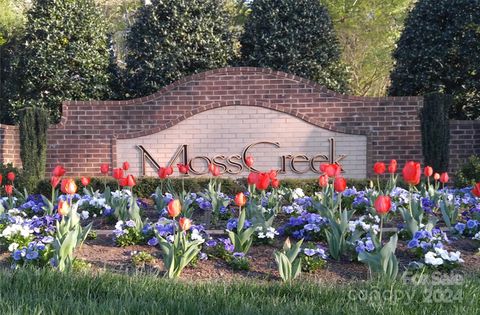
(240, 199)
(118, 173)
(476, 190)
(263, 180)
(436, 176)
(54, 181)
(215, 170)
(249, 161)
(211, 167)
(272, 174)
(58, 171)
(444, 178)
(104, 168)
(183, 168)
(379, 168)
(174, 208)
(62, 185)
(164, 172)
(383, 204)
(70, 186)
(125, 166)
(185, 224)
(340, 184)
(323, 181)
(275, 183)
(9, 189)
(392, 167)
(411, 173)
(11, 176)
(252, 178)
(85, 181)
(128, 181)
(332, 170)
(63, 208)
(1, 178)
(428, 171)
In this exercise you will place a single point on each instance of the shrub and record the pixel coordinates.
(438, 51)
(469, 173)
(33, 145)
(295, 36)
(436, 130)
(171, 39)
(64, 55)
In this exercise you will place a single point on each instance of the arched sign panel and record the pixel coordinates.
(226, 135)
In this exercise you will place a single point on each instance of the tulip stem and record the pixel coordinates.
(381, 229)
(378, 183)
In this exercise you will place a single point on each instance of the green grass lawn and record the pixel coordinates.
(47, 292)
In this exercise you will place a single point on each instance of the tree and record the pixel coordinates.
(439, 51)
(171, 39)
(294, 36)
(367, 33)
(64, 55)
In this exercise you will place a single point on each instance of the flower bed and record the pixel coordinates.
(267, 231)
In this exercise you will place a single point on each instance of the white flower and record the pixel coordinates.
(298, 193)
(261, 235)
(443, 253)
(196, 235)
(476, 237)
(12, 247)
(84, 215)
(119, 225)
(455, 256)
(430, 259)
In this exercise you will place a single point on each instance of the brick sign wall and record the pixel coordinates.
(94, 132)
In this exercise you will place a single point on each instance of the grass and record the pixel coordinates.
(47, 292)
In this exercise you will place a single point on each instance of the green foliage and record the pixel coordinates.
(242, 238)
(367, 33)
(178, 254)
(64, 55)
(11, 19)
(140, 259)
(469, 173)
(295, 36)
(438, 52)
(132, 237)
(171, 39)
(288, 261)
(34, 124)
(382, 262)
(69, 235)
(436, 130)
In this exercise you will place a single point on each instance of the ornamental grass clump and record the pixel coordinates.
(178, 251)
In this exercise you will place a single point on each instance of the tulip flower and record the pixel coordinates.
(104, 168)
(379, 168)
(63, 184)
(58, 171)
(436, 176)
(11, 176)
(383, 205)
(130, 181)
(444, 178)
(9, 190)
(252, 178)
(183, 168)
(476, 190)
(340, 184)
(185, 224)
(54, 181)
(70, 187)
(125, 166)
(428, 171)
(392, 166)
(249, 161)
(411, 173)
(275, 183)
(174, 208)
(164, 172)
(331, 170)
(63, 208)
(1, 178)
(240, 199)
(118, 173)
(323, 181)
(272, 174)
(215, 170)
(85, 181)
(263, 180)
